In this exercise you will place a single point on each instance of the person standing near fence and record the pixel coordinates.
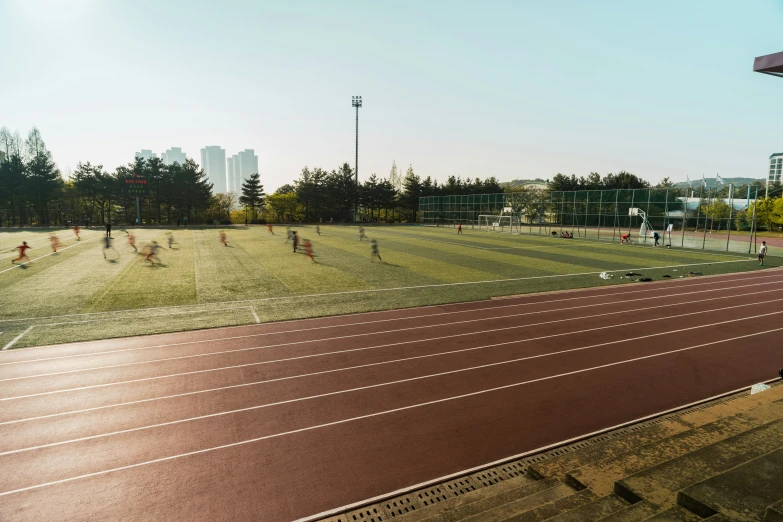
(656, 237)
(459, 228)
(762, 252)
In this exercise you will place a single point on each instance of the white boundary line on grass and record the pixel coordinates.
(377, 414)
(255, 315)
(375, 290)
(362, 323)
(367, 334)
(437, 354)
(414, 487)
(13, 341)
(47, 255)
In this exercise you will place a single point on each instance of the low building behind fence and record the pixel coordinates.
(683, 218)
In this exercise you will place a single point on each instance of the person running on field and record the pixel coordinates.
(362, 236)
(269, 227)
(374, 251)
(107, 245)
(459, 228)
(318, 229)
(132, 241)
(223, 238)
(55, 241)
(656, 237)
(152, 252)
(295, 238)
(762, 252)
(308, 246)
(76, 231)
(625, 238)
(108, 229)
(170, 238)
(23, 248)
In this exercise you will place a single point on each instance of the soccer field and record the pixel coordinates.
(77, 295)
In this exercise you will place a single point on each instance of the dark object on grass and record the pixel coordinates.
(631, 274)
(695, 273)
(666, 276)
(645, 279)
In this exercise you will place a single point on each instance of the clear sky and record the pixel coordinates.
(516, 89)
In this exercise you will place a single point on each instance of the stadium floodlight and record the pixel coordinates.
(356, 101)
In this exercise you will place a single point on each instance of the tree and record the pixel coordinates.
(665, 183)
(221, 205)
(412, 192)
(285, 206)
(252, 193)
(394, 177)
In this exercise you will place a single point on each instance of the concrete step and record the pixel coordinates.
(600, 477)
(774, 512)
(633, 513)
(675, 514)
(659, 484)
(743, 492)
(596, 510)
(557, 467)
(552, 501)
(474, 502)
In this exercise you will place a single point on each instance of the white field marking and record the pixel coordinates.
(375, 290)
(367, 334)
(323, 372)
(362, 388)
(526, 247)
(47, 255)
(383, 412)
(255, 315)
(497, 307)
(13, 341)
(483, 467)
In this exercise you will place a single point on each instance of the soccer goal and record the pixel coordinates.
(502, 223)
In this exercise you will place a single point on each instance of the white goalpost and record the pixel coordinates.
(507, 221)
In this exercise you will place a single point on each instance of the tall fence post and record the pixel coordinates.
(684, 218)
(562, 203)
(647, 215)
(587, 208)
(704, 239)
(630, 219)
(731, 208)
(600, 205)
(616, 221)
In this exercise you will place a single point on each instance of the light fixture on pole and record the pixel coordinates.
(356, 101)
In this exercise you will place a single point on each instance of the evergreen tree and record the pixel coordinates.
(252, 193)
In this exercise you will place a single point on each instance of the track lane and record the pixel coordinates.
(427, 380)
(407, 445)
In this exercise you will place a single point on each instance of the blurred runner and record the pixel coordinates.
(23, 248)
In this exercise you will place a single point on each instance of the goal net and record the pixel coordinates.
(507, 223)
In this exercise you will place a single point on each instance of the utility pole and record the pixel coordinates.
(356, 101)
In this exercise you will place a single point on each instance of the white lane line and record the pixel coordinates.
(13, 341)
(645, 291)
(363, 334)
(348, 368)
(384, 412)
(483, 467)
(47, 255)
(393, 289)
(255, 315)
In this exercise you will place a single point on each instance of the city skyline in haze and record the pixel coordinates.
(505, 89)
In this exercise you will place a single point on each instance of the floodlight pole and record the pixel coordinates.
(356, 101)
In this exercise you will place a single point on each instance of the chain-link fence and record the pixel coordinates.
(713, 219)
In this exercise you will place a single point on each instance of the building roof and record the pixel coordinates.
(769, 64)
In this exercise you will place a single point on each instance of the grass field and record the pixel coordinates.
(78, 295)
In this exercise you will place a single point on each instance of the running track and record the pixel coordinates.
(288, 420)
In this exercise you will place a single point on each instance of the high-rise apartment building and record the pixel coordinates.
(775, 168)
(248, 164)
(213, 161)
(239, 167)
(146, 154)
(174, 154)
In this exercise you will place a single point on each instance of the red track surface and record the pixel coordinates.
(284, 421)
